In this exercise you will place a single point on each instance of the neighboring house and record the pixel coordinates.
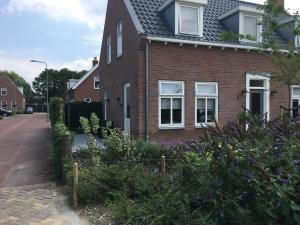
(11, 96)
(166, 72)
(86, 89)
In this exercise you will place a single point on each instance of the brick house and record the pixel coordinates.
(11, 96)
(86, 89)
(167, 73)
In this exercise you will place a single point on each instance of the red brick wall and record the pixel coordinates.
(86, 89)
(189, 64)
(13, 94)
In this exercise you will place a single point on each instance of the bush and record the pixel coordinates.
(56, 110)
(1, 117)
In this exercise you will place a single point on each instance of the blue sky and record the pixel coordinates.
(65, 33)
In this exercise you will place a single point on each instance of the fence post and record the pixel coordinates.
(75, 185)
(163, 165)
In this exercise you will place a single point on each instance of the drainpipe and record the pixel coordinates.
(147, 93)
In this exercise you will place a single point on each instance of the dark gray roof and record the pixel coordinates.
(155, 24)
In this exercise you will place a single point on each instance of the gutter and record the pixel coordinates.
(147, 93)
(209, 44)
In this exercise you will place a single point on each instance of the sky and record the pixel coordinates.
(64, 33)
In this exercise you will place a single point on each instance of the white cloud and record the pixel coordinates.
(30, 70)
(91, 13)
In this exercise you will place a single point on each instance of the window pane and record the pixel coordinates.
(177, 110)
(211, 110)
(189, 20)
(257, 83)
(250, 26)
(165, 111)
(206, 89)
(295, 108)
(296, 91)
(171, 88)
(201, 110)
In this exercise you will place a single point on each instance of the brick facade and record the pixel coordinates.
(185, 63)
(12, 95)
(86, 90)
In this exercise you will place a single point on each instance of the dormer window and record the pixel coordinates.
(189, 20)
(249, 26)
(184, 16)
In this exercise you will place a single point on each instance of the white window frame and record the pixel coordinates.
(206, 97)
(88, 100)
(5, 103)
(2, 90)
(294, 97)
(13, 103)
(297, 41)
(242, 27)
(119, 39)
(178, 18)
(96, 79)
(266, 88)
(171, 96)
(108, 49)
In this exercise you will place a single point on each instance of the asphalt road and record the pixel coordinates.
(25, 151)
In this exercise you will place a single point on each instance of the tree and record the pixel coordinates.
(57, 82)
(19, 81)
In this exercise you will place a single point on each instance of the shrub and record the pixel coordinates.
(56, 110)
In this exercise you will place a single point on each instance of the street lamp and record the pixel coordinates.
(42, 62)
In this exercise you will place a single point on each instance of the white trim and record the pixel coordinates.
(240, 9)
(127, 121)
(297, 37)
(4, 104)
(85, 77)
(3, 89)
(266, 78)
(181, 96)
(108, 49)
(11, 105)
(168, 2)
(88, 100)
(210, 44)
(206, 97)
(294, 97)
(119, 37)
(134, 17)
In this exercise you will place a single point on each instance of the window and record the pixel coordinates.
(4, 105)
(109, 49)
(296, 101)
(171, 104)
(88, 100)
(3, 91)
(297, 44)
(13, 105)
(119, 39)
(250, 27)
(96, 82)
(206, 112)
(189, 19)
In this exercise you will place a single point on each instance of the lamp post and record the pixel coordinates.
(47, 90)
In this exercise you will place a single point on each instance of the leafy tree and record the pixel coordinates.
(57, 82)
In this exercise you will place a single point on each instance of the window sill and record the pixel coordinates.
(171, 128)
(250, 41)
(204, 126)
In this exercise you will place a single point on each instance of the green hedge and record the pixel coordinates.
(73, 111)
(56, 110)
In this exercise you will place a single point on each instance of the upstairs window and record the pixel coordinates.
(3, 91)
(189, 20)
(96, 82)
(206, 104)
(250, 27)
(171, 104)
(108, 41)
(119, 39)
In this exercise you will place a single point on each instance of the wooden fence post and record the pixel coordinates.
(163, 165)
(75, 185)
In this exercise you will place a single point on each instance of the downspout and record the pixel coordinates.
(147, 93)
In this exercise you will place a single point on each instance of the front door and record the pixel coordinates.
(127, 108)
(257, 102)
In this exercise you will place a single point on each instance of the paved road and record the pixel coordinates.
(28, 194)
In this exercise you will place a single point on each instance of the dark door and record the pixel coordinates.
(257, 102)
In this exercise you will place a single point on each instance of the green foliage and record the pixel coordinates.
(62, 139)
(56, 110)
(232, 176)
(19, 81)
(57, 80)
